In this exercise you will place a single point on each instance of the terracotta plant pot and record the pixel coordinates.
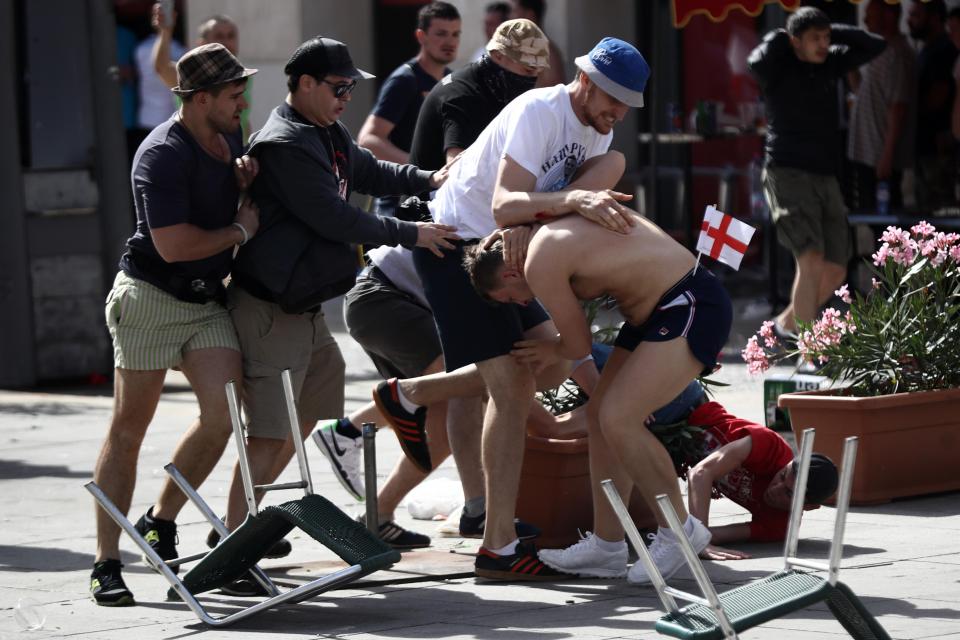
(555, 491)
(909, 442)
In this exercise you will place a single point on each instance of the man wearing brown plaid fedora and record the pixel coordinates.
(166, 307)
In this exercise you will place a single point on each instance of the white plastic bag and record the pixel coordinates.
(433, 498)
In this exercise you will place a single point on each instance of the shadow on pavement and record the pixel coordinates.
(21, 470)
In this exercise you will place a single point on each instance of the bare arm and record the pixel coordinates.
(716, 465)
(549, 279)
(374, 135)
(515, 202)
(165, 68)
(185, 242)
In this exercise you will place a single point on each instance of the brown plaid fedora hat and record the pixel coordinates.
(207, 66)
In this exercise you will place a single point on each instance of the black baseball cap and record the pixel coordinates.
(321, 56)
(822, 479)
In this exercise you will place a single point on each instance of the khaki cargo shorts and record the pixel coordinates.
(271, 341)
(152, 330)
(809, 212)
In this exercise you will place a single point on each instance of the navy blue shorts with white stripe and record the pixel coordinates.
(697, 308)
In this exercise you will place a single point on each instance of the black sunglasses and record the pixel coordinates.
(341, 89)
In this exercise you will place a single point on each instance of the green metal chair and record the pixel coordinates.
(239, 552)
(722, 616)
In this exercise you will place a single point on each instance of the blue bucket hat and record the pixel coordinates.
(618, 68)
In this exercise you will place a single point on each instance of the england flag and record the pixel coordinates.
(723, 237)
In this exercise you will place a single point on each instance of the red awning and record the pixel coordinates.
(717, 10)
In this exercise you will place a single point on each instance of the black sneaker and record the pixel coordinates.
(523, 565)
(245, 587)
(280, 549)
(397, 537)
(107, 586)
(409, 427)
(472, 527)
(161, 535)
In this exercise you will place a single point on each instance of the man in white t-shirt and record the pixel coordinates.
(542, 157)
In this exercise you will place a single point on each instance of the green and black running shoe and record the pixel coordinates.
(107, 586)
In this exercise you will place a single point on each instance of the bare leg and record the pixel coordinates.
(604, 463)
(654, 374)
(135, 398)
(832, 277)
(465, 382)
(262, 453)
(208, 371)
(511, 386)
(806, 292)
(405, 475)
(464, 433)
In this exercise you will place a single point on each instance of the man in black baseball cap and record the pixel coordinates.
(309, 166)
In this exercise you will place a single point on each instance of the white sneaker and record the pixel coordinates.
(344, 455)
(666, 554)
(587, 559)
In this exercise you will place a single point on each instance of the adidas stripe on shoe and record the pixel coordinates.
(409, 427)
(522, 565)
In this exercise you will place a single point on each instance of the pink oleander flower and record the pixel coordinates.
(882, 254)
(899, 336)
(766, 332)
(844, 294)
(755, 356)
(923, 228)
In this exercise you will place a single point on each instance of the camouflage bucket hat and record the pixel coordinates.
(523, 42)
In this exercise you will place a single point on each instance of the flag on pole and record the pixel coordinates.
(723, 237)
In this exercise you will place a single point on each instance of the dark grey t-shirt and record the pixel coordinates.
(175, 181)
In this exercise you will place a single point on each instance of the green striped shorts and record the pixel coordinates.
(152, 329)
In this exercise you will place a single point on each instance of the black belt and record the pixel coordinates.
(183, 287)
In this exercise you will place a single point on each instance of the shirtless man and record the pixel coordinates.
(677, 320)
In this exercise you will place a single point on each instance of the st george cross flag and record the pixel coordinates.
(723, 237)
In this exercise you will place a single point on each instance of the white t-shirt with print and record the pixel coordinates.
(541, 133)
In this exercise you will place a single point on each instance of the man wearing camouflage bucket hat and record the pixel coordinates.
(166, 306)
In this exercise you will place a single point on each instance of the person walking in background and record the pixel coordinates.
(935, 94)
(880, 144)
(388, 130)
(798, 70)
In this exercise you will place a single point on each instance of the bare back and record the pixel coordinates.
(636, 268)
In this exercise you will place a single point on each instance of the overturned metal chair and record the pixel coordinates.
(239, 552)
(721, 616)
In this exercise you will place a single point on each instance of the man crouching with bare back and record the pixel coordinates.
(677, 320)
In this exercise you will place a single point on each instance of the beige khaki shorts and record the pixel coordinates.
(152, 330)
(809, 212)
(272, 341)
